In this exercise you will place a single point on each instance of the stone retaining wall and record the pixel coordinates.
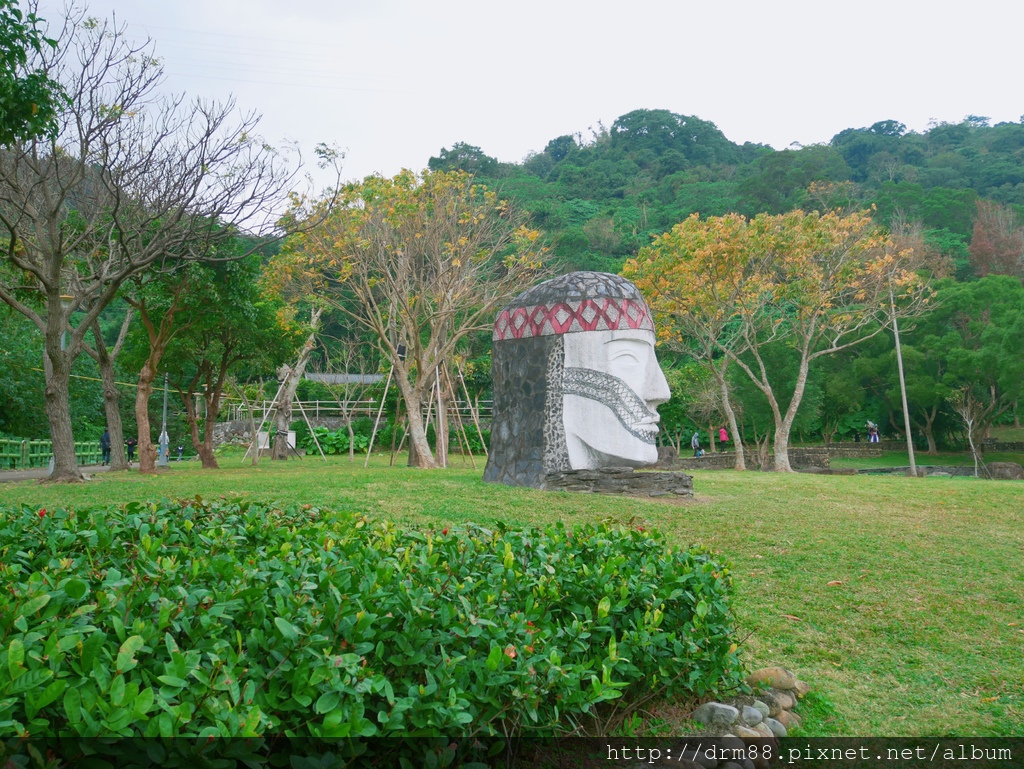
(1014, 446)
(855, 450)
(1007, 471)
(237, 431)
(986, 445)
(810, 456)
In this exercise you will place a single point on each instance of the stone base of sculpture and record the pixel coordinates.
(621, 480)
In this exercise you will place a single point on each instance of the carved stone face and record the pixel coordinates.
(576, 380)
(612, 386)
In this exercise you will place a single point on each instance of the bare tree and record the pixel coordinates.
(997, 244)
(350, 384)
(972, 411)
(129, 182)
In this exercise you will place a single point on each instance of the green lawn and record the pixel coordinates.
(945, 458)
(1008, 433)
(924, 635)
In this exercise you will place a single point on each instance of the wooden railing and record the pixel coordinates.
(24, 454)
(316, 410)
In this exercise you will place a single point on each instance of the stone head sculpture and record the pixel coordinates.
(576, 380)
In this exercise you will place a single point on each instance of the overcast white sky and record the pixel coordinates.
(393, 81)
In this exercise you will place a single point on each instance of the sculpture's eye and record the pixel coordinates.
(627, 354)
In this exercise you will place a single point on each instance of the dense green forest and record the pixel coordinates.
(601, 197)
(958, 189)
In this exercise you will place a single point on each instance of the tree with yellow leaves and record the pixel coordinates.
(819, 283)
(420, 261)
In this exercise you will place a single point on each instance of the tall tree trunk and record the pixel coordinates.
(159, 338)
(143, 392)
(111, 406)
(780, 449)
(57, 367)
(784, 426)
(203, 444)
(207, 456)
(783, 423)
(291, 376)
(730, 415)
(105, 358)
(213, 389)
(974, 448)
(903, 387)
(203, 449)
(283, 414)
(57, 364)
(929, 432)
(419, 448)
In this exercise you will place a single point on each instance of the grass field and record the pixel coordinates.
(944, 458)
(900, 601)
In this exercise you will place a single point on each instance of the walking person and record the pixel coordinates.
(105, 446)
(695, 443)
(723, 436)
(130, 445)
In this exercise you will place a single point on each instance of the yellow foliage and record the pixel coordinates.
(823, 273)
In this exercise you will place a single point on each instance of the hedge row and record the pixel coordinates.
(231, 618)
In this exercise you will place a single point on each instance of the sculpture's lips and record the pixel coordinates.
(648, 427)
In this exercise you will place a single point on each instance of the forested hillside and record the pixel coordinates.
(953, 193)
(602, 196)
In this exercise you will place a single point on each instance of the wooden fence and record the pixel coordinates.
(24, 454)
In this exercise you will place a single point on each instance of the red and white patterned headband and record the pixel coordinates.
(602, 314)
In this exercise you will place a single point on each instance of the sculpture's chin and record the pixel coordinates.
(584, 456)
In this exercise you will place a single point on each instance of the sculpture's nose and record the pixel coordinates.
(656, 389)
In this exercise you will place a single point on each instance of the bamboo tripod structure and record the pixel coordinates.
(266, 415)
(443, 389)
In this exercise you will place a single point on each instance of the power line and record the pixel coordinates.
(134, 385)
(286, 85)
(300, 43)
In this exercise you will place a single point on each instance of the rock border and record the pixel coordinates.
(759, 719)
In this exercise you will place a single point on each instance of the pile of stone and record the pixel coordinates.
(766, 714)
(745, 725)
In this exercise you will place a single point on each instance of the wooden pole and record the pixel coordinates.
(903, 386)
(311, 432)
(256, 437)
(473, 412)
(383, 399)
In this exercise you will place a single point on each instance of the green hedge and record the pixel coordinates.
(232, 618)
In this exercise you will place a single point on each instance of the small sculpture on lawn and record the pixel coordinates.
(576, 380)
